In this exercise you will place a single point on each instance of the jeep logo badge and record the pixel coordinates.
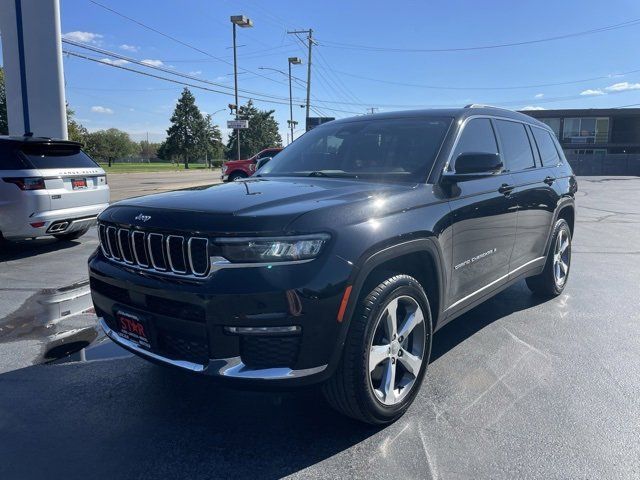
(142, 217)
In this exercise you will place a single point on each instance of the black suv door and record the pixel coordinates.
(533, 194)
(484, 222)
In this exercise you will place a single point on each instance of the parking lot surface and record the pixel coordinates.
(517, 388)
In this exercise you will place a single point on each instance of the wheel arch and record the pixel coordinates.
(566, 210)
(420, 258)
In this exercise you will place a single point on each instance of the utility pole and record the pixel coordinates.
(311, 41)
(244, 22)
(372, 110)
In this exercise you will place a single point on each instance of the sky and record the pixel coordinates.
(370, 54)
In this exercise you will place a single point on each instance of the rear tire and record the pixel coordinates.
(378, 377)
(553, 279)
(235, 176)
(65, 237)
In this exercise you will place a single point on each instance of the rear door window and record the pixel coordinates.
(516, 148)
(546, 147)
(57, 156)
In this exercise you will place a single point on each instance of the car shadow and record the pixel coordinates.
(514, 299)
(128, 418)
(20, 249)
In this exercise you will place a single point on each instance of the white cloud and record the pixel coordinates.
(129, 48)
(591, 92)
(99, 109)
(623, 86)
(196, 72)
(538, 95)
(533, 107)
(84, 37)
(153, 63)
(117, 61)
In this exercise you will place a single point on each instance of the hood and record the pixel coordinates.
(260, 205)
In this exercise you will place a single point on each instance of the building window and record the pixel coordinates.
(554, 124)
(586, 130)
(595, 151)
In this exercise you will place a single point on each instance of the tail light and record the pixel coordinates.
(27, 183)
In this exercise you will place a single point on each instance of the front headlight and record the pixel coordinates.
(271, 249)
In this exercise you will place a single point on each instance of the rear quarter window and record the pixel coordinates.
(10, 158)
(57, 156)
(546, 146)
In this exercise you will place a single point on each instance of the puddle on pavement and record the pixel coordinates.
(54, 324)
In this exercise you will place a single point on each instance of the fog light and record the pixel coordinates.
(37, 224)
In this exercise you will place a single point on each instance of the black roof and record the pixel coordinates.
(456, 113)
(583, 112)
(15, 139)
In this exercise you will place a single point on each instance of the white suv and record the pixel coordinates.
(48, 187)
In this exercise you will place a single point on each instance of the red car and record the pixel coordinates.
(238, 169)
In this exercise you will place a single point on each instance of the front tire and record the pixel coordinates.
(385, 355)
(236, 176)
(553, 279)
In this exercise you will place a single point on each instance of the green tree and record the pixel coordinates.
(4, 124)
(186, 137)
(75, 130)
(213, 140)
(262, 132)
(108, 145)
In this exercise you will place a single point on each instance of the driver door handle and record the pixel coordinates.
(549, 180)
(506, 189)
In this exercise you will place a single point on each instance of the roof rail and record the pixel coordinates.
(481, 105)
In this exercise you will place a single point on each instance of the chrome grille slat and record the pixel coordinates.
(112, 242)
(124, 242)
(169, 254)
(176, 258)
(138, 243)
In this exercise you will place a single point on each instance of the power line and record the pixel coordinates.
(187, 84)
(628, 23)
(509, 87)
(174, 39)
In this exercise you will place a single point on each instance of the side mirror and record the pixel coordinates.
(262, 162)
(470, 165)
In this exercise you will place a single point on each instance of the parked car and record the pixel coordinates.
(336, 263)
(238, 169)
(48, 187)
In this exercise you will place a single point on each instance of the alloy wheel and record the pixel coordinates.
(561, 257)
(397, 350)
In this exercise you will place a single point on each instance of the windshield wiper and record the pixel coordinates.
(331, 173)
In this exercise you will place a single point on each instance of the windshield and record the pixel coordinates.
(395, 148)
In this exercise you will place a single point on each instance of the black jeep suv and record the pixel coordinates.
(337, 263)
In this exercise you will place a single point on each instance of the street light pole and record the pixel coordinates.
(292, 61)
(244, 22)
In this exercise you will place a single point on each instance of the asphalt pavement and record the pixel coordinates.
(516, 388)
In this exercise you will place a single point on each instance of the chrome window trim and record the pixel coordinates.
(150, 250)
(128, 262)
(168, 249)
(133, 247)
(193, 270)
(490, 117)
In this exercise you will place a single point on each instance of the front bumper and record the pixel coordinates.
(194, 324)
(232, 367)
